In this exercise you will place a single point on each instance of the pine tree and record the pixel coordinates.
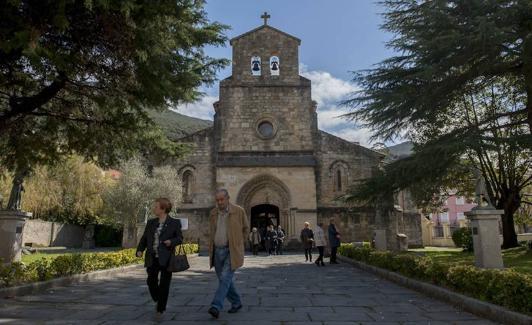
(461, 89)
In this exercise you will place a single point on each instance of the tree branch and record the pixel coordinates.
(27, 104)
(69, 118)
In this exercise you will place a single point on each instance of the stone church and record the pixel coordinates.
(266, 149)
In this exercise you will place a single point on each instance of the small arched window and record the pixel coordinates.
(187, 186)
(339, 176)
(339, 180)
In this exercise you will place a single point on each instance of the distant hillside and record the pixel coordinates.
(398, 151)
(177, 125)
(402, 149)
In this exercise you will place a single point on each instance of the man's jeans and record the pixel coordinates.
(226, 287)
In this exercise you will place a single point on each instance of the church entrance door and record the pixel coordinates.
(264, 215)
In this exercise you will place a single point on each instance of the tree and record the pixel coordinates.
(461, 90)
(80, 76)
(68, 192)
(131, 198)
(447, 49)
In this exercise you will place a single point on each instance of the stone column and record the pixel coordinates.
(426, 230)
(11, 227)
(486, 244)
(446, 230)
(402, 242)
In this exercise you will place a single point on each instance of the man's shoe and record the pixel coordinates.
(317, 262)
(214, 312)
(234, 309)
(322, 264)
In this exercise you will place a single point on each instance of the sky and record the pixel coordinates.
(337, 38)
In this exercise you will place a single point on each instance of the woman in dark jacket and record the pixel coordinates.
(161, 236)
(307, 238)
(269, 240)
(334, 241)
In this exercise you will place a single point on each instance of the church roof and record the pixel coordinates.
(263, 27)
(347, 143)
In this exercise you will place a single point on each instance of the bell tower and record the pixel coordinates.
(265, 106)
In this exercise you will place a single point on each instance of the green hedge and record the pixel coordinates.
(69, 264)
(506, 287)
(463, 238)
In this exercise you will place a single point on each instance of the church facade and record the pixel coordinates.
(266, 149)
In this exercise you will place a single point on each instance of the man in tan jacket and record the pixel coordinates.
(228, 229)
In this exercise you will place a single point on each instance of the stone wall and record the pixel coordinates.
(411, 226)
(289, 109)
(265, 42)
(358, 224)
(354, 162)
(200, 161)
(44, 233)
(198, 225)
(353, 224)
(247, 100)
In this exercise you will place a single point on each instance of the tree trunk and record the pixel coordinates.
(527, 72)
(508, 231)
(509, 205)
(129, 236)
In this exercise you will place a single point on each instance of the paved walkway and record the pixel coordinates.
(275, 290)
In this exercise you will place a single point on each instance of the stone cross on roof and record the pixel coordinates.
(265, 16)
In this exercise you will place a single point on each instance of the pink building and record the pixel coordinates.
(453, 211)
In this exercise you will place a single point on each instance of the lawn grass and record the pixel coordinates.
(518, 258)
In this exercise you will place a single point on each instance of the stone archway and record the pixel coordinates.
(266, 190)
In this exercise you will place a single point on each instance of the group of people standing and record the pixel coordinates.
(316, 238)
(271, 238)
(228, 231)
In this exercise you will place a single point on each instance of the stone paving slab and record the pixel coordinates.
(275, 290)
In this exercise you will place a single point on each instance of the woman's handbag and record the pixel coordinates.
(178, 262)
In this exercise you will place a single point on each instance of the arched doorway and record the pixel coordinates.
(265, 197)
(264, 215)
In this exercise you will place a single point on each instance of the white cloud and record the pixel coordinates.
(202, 108)
(328, 91)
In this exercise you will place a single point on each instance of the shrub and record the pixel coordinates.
(11, 274)
(506, 288)
(463, 238)
(69, 264)
(39, 270)
(107, 236)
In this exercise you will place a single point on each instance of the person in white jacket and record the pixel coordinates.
(321, 242)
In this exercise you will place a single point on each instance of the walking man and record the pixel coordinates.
(334, 241)
(228, 231)
(161, 235)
